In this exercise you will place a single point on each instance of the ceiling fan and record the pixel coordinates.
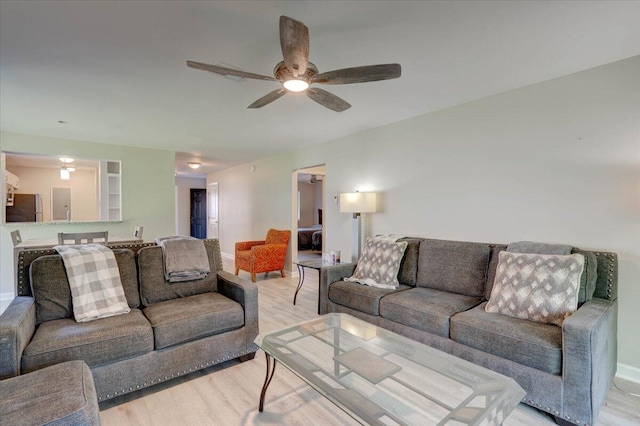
(297, 74)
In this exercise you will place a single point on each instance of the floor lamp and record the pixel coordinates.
(357, 203)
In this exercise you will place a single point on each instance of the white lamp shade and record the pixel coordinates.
(358, 202)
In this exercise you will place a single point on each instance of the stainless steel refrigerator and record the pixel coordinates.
(25, 208)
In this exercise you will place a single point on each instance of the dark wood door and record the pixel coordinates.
(198, 213)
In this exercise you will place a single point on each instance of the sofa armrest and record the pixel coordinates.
(246, 294)
(246, 245)
(329, 275)
(17, 325)
(589, 353)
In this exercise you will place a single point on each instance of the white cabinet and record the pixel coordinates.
(11, 179)
(110, 190)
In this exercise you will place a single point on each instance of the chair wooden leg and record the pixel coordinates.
(282, 273)
(253, 277)
(237, 270)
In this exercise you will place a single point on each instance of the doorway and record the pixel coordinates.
(198, 213)
(60, 204)
(308, 219)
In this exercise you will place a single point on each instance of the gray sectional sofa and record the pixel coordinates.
(444, 287)
(171, 330)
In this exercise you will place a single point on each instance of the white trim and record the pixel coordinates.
(628, 372)
(231, 256)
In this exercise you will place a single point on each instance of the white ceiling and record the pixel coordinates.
(115, 71)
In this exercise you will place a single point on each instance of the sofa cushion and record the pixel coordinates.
(536, 287)
(529, 343)
(533, 247)
(589, 275)
(95, 342)
(50, 286)
(409, 263)
(154, 288)
(63, 394)
(190, 318)
(453, 266)
(493, 265)
(425, 309)
(360, 297)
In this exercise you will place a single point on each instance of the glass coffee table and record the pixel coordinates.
(381, 378)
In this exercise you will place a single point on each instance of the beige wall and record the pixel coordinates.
(147, 194)
(557, 161)
(83, 184)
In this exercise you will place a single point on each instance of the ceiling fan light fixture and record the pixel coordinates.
(296, 85)
(194, 165)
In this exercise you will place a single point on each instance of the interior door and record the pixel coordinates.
(198, 213)
(212, 193)
(60, 204)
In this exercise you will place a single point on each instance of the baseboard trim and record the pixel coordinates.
(628, 372)
(227, 255)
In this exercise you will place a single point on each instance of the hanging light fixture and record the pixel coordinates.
(65, 174)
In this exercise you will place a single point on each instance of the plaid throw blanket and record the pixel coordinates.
(94, 280)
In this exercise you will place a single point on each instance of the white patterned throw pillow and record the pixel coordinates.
(536, 287)
(379, 262)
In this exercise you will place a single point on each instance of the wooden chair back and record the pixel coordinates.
(15, 237)
(83, 237)
(137, 232)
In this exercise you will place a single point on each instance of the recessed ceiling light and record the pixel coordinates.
(194, 165)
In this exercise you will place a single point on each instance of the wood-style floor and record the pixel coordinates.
(228, 394)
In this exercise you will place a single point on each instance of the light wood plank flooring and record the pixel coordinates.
(228, 394)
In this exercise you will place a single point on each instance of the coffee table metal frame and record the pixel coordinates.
(381, 378)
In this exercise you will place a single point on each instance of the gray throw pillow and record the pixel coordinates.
(536, 287)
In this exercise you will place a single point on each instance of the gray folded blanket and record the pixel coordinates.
(185, 258)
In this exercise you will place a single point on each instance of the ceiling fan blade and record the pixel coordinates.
(227, 71)
(359, 74)
(327, 99)
(294, 41)
(268, 98)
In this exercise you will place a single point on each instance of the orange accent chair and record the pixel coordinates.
(263, 256)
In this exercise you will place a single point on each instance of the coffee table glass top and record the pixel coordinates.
(382, 378)
(316, 263)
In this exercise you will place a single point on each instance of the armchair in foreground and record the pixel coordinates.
(263, 256)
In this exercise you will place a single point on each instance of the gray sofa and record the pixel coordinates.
(172, 329)
(444, 285)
